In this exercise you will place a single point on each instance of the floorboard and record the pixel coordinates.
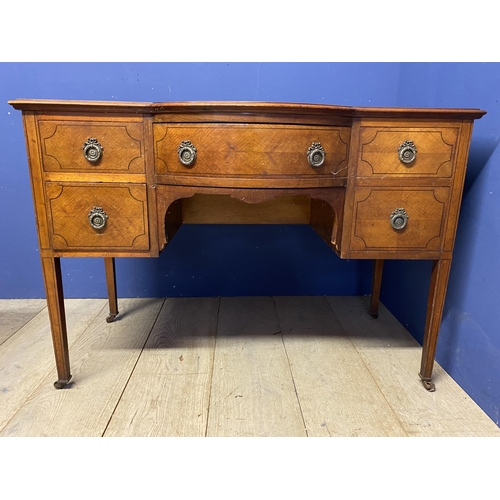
(27, 358)
(102, 360)
(252, 391)
(14, 314)
(393, 357)
(168, 393)
(337, 393)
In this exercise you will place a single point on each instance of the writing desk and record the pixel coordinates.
(112, 179)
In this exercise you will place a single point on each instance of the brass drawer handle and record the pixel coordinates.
(407, 152)
(187, 153)
(316, 155)
(97, 218)
(399, 219)
(92, 150)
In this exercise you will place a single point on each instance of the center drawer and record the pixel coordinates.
(255, 150)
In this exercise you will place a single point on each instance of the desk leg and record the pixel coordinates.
(51, 267)
(109, 265)
(435, 305)
(378, 266)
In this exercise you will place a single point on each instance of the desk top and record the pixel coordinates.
(243, 107)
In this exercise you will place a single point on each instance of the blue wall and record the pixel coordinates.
(264, 260)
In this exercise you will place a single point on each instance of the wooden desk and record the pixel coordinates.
(113, 179)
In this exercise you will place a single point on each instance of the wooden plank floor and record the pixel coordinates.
(231, 366)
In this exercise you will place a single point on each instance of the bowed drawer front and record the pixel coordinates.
(251, 150)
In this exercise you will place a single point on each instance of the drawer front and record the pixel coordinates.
(407, 151)
(98, 217)
(399, 219)
(252, 150)
(92, 146)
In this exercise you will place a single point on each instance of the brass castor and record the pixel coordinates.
(111, 318)
(428, 384)
(60, 384)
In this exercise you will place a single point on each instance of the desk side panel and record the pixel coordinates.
(36, 177)
(458, 185)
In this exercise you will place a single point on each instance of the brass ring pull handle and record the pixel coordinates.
(187, 153)
(97, 218)
(399, 219)
(92, 150)
(316, 155)
(407, 152)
